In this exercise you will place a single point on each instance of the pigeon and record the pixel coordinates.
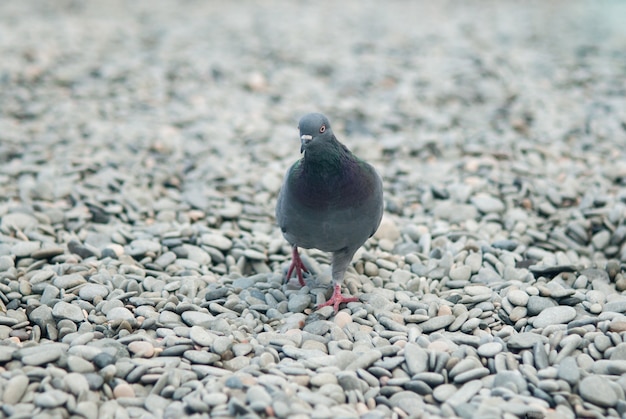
(330, 200)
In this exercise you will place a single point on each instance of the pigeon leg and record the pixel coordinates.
(341, 260)
(296, 265)
(337, 299)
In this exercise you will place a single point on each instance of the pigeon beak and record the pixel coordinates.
(304, 139)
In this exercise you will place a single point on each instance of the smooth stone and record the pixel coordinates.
(298, 302)
(597, 390)
(465, 393)
(42, 316)
(141, 348)
(90, 291)
(525, 340)
(6, 353)
(568, 370)
(554, 315)
(15, 388)
(609, 367)
(443, 392)
(50, 399)
(536, 304)
(141, 247)
(619, 353)
(200, 336)
(486, 203)
(517, 297)
(197, 254)
(197, 318)
(258, 398)
(437, 323)
(45, 355)
(165, 259)
(460, 273)
(489, 350)
(76, 383)
(63, 310)
(6, 262)
(618, 306)
(120, 313)
(216, 240)
(19, 221)
(123, 390)
(513, 380)
(416, 358)
(25, 249)
(68, 281)
(201, 357)
(79, 365)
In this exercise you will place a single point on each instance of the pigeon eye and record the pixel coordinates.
(322, 128)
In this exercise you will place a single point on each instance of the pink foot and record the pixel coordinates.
(337, 298)
(297, 266)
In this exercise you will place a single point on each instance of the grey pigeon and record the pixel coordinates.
(330, 200)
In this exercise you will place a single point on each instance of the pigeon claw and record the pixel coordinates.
(337, 298)
(296, 266)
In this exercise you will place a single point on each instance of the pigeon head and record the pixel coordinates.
(315, 130)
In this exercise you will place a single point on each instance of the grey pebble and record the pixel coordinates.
(50, 399)
(298, 302)
(554, 315)
(120, 313)
(490, 349)
(518, 297)
(90, 291)
(201, 336)
(201, 357)
(15, 388)
(598, 391)
(569, 371)
(537, 304)
(436, 323)
(416, 359)
(525, 340)
(195, 318)
(486, 203)
(618, 306)
(63, 310)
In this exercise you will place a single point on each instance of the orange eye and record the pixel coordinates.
(322, 128)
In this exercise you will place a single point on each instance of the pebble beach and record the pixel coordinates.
(142, 148)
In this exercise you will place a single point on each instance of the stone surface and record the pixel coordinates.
(141, 152)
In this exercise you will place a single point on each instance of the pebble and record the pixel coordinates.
(598, 391)
(518, 297)
(554, 315)
(120, 313)
(142, 271)
(436, 323)
(50, 399)
(141, 349)
(490, 349)
(123, 390)
(90, 291)
(63, 310)
(15, 389)
(537, 304)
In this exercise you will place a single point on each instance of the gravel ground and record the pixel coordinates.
(142, 146)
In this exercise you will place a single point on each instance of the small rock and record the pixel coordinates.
(123, 390)
(63, 310)
(554, 315)
(597, 390)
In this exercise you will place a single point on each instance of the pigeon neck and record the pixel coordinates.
(331, 154)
